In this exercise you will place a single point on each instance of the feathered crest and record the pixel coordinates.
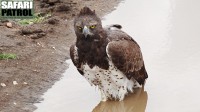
(86, 11)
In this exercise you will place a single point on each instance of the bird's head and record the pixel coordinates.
(87, 23)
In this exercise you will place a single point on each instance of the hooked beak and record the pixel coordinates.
(86, 31)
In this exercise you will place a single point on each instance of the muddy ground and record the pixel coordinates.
(41, 50)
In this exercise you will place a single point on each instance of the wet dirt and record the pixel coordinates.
(168, 34)
(41, 50)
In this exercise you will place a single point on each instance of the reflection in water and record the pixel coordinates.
(135, 102)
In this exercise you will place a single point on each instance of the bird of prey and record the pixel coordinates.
(107, 57)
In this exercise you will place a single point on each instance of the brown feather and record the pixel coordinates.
(75, 60)
(127, 57)
(106, 57)
(123, 51)
(86, 11)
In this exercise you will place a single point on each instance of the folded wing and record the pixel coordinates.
(126, 55)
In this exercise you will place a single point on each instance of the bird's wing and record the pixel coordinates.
(75, 58)
(126, 56)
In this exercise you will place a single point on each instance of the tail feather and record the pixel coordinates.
(117, 26)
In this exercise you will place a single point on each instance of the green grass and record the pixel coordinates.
(36, 19)
(4, 56)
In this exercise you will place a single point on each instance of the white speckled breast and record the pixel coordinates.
(112, 82)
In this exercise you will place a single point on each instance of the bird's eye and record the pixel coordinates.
(92, 27)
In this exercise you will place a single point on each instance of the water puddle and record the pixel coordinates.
(168, 33)
(71, 94)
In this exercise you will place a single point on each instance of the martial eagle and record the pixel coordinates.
(107, 57)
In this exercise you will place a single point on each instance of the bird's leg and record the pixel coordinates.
(103, 96)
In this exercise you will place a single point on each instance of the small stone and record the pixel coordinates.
(35, 70)
(26, 32)
(3, 84)
(40, 35)
(54, 48)
(53, 21)
(34, 36)
(25, 83)
(15, 83)
(9, 25)
(37, 36)
(38, 31)
(15, 103)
